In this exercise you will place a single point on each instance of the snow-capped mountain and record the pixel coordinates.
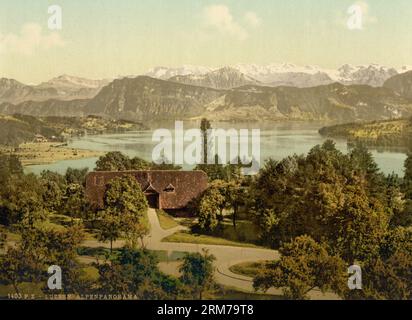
(165, 73)
(224, 78)
(373, 75)
(70, 87)
(404, 69)
(308, 76)
(145, 98)
(288, 74)
(67, 81)
(273, 72)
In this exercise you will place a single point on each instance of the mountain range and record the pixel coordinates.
(225, 78)
(62, 88)
(225, 94)
(287, 74)
(401, 84)
(67, 87)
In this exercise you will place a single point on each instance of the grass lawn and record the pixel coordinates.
(187, 237)
(48, 225)
(245, 231)
(91, 273)
(162, 256)
(248, 269)
(166, 221)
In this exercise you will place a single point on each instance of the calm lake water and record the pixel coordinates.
(278, 140)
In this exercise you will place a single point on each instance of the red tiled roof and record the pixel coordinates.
(187, 185)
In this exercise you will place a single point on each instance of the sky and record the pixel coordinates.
(110, 38)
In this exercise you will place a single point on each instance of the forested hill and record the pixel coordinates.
(378, 133)
(17, 129)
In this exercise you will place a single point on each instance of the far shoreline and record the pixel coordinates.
(45, 153)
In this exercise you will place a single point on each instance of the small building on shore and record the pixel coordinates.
(169, 190)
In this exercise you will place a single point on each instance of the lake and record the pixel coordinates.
(278, 140)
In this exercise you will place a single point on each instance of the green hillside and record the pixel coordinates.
(17, 129)
(396, 133)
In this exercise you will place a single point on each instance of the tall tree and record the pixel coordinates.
(113, 161)
(197, 272)
(209, 208)
(62, 251)
(362, 160)
(22, 200)
(117, 161)
(75, 203)
(38, 249)
(398, 211)
(125, 211)
(54, 186)
(320, 195)
(303, 266)
(76, 176)
(407, 186)
(136, 272)
(124, 195)
(205, 125)
(9, 165)
(235, 196)
(139, 164)
(110, 227)
(388, 275)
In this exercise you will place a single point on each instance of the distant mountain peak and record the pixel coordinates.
(289, 74)
(401, 84)
(165, 73)
(223, 78)
(69, 81)
(10, 82)
(63, 87)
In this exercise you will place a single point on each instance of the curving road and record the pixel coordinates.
(226, 256)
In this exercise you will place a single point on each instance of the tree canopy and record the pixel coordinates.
(125, 211)
(117, 161)
(198, 272)
(304, 265)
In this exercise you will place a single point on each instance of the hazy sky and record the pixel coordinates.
(107, 38)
